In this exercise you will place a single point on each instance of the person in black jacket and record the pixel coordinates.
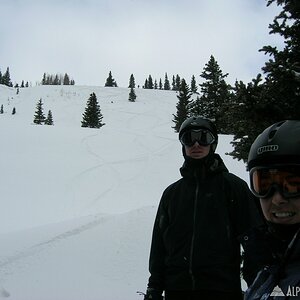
(195, 250)
(274, 166)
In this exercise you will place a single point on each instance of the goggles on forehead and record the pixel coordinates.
(264, 181)
(203, 136)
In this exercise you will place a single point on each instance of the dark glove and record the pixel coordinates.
(153, 294)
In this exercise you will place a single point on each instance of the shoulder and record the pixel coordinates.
(172, 188)
(234, 178)
(235, 184)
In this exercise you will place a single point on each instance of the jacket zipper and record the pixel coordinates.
(193, 236)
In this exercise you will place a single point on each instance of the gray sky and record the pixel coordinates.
(89, 38)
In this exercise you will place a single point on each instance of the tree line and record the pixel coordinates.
(57, 79)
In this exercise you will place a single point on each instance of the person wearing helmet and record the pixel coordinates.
(195, 251)
(274, 168)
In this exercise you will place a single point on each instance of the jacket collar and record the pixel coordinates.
(204, 167)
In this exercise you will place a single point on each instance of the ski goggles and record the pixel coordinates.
(264, 181)
(203, 136)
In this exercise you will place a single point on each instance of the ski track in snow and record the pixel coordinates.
(19, 260)
(144, 157)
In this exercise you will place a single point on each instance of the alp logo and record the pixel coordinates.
(268, 148)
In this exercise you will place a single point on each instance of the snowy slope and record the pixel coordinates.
(78, 204)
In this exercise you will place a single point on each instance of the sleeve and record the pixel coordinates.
(157, 250)
(246, 208)
(250, 217)
(246, 214)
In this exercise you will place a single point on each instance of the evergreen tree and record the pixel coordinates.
(44, 80)
(283, 69)
(66, 80)
(160, 84)
(56, 80)
(177, 83)
(196, 107)
(1, 109)
(173, 83)
(215, 94)
(6, 78)
(167, 83)
(146, 85)
(49, 119)
(277, 98)
(194, 87)
(110, 82)
(132, 95)
(150, 82)
(131, 81)
(248, 115)
(39, 117)
(92, 117)
(13, 111)
(183, 105)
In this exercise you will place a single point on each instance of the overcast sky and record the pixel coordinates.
(89, 38)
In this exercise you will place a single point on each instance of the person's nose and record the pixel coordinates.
(278, 199)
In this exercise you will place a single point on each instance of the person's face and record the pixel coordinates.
(197, 151)
(277, 209)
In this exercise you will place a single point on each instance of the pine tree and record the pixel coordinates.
(248, 115)
(215, 94)
(194, 87)
(92, 117)
(146, 85)
(66, 80)
(44, 80)
(39, 117)
(110, 82)
(56, 81)
(150, 82)
(183, 105)
(160, 84)
(262, 103)
(13, 111)
(131, 81)
(6, 78)
(167, 83)
(196, 107)
(173, 83)
(132, 95)
(283, 69)
(177, 83)
(1, 109)
(49, 119)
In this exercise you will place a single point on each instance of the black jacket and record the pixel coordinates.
(195, 236)
(279, 261)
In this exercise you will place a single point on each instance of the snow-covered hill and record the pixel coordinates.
(78, 204)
